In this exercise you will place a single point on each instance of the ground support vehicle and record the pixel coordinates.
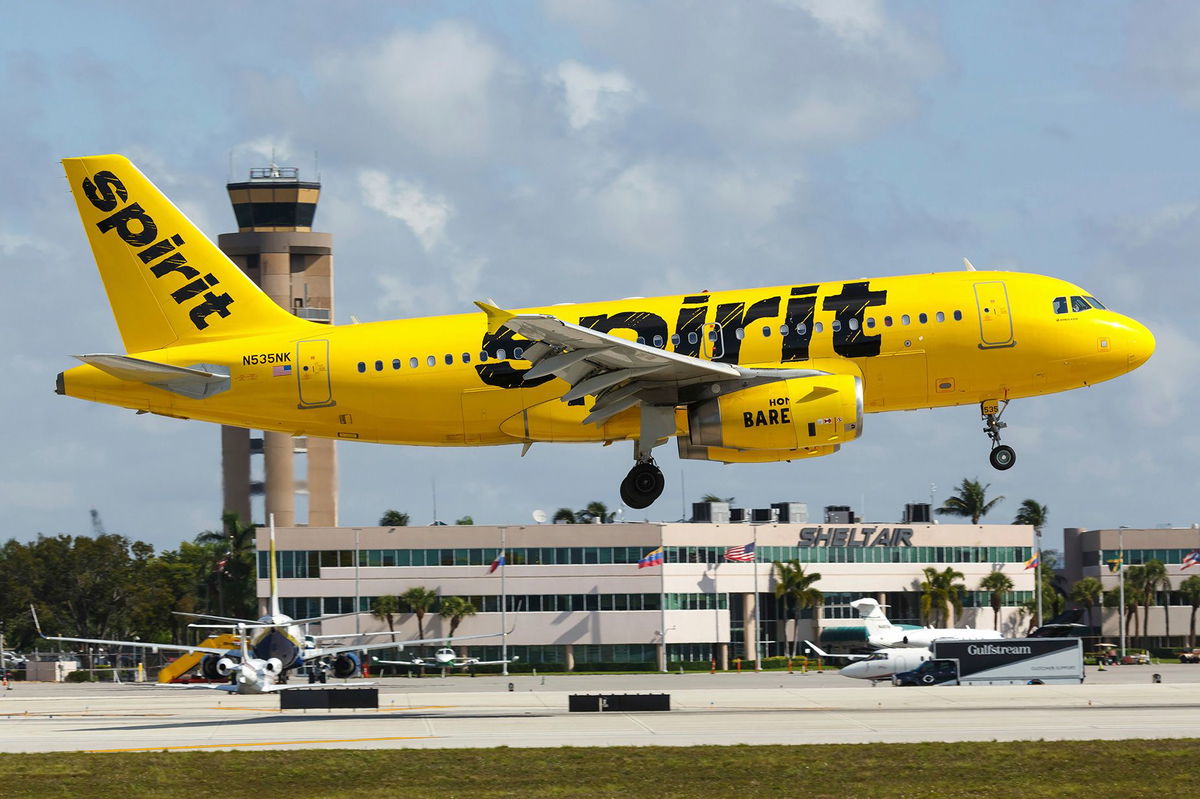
(1011, 661)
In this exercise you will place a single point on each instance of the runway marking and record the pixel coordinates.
(378, 709)
(260, 743)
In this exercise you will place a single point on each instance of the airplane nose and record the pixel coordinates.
(1139, 342)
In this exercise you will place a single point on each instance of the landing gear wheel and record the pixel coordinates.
(643, 485)
(1002, 457)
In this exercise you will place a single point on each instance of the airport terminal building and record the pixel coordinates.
(575, 595)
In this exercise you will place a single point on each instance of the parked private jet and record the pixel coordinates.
(878, 665)
(444, 659)
(881, 633)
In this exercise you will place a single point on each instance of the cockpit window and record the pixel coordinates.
(1095, 303)
(1079, 304)
(1060, 305)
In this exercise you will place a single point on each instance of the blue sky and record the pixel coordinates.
(542, 152)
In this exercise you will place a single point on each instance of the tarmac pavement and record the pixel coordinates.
(748, 708)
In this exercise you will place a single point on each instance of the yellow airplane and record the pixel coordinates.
(739, 376)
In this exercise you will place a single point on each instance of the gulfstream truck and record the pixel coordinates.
(1007, 661)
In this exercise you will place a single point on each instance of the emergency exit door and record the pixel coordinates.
(995, 320)
(312, 374)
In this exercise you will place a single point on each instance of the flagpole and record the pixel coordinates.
(1037, 572)
(1121, 583)
(503, 602)
(757, 626)
(662, 604)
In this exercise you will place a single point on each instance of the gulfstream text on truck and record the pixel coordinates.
(1012, 661)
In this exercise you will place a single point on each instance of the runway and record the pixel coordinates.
(766, 708)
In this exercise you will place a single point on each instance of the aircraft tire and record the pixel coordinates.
(1002, 457)
(643, 485)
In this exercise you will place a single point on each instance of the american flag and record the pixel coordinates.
(1192, 558)
(744, 554)
(281, 371)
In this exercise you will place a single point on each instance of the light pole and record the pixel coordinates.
(1121, 584)
(357, 623)
(1037, 572)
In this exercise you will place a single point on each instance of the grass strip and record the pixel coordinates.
(1130, 768)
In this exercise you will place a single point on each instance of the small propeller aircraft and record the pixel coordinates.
(444, 659)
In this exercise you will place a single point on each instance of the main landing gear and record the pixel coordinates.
(1002, 456)
(643, 484)
(645, 481)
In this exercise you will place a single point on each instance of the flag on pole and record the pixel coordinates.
(497, 563)
(1033, 562)
(1192, 558)
(654, 558)
(742, 554)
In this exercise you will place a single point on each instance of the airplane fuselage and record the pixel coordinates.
(919, 341)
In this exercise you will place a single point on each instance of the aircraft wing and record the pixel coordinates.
(320, 652)
(208, 650)
(620, 373)
(829, 656)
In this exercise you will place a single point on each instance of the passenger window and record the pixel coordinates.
(518, 352)
(675, 340)
(395, 363)
(887, 321)
(500, 355)
(1079, 304)
(1095, 303)
(783, 330)
(1060, 305)
(483, 356)
(449, 359)
(905, 320)
(693, 338)
(712, 335)
(802, 328)
(658, 341)
(922, 318)
(818, 327)
(413, 362)
(958, 316)
(641, 340)
(379, 366)
(871, 322)
(853, 323)
(466, 357)
(432, 361)
(740, 333)
(362, 366)
(766, 332)
(837, 326)
(941, 317)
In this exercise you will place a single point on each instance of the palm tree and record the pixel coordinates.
(393, 518)
(1190, 588)
(234, 547)
(998, 584)
(715, 498)
(1154, 577)
(595, 510)
(939, 593)
(796, 589)
(1033, 514)
(970, 501)
(455, 608)
(419, 600)
(385, 608)
(1087, 592)
(1135, 582)
(564, 516)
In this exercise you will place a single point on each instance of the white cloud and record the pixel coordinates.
(426, 216)
(593, 96)
(642, 211)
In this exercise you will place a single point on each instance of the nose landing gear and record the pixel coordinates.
(1002, 456)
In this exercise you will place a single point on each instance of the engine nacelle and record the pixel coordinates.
(788, 415)
(226, 666)
(273, 666)
(209, 669)
(345, 665)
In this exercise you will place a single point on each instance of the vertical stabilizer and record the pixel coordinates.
(166, 282)
(872, 615)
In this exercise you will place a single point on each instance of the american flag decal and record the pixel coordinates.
(281, 371)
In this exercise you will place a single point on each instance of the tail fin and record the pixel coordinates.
(870, 612)
(166, 282)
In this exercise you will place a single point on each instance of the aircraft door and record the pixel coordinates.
(995, 322)
(312, 374)
(712, 346)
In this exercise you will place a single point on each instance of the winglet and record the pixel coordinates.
(496, 317)
(36, 624)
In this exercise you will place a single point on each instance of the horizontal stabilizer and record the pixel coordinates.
(197, 382)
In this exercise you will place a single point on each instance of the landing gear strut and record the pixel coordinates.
(643, 485)
(1002, 456)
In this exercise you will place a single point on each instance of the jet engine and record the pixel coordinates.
(226, 666)
(791, 419)
(273, 666)
(210, 668)
(345, 665)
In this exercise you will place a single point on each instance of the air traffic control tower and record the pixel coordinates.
(276, 246)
